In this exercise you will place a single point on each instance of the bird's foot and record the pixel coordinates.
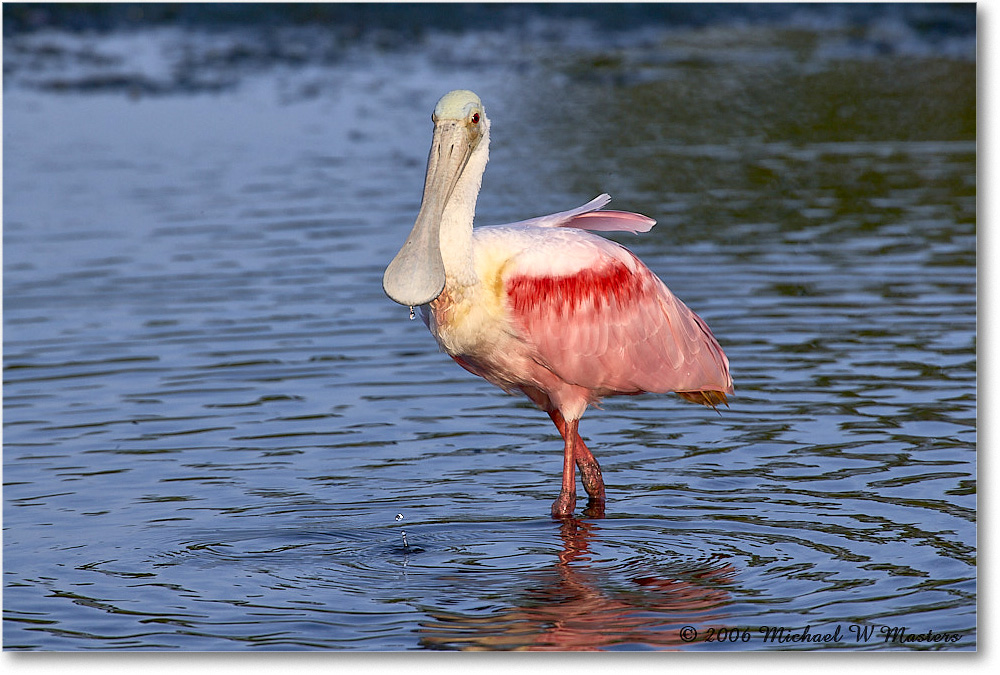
(594, 508)
(565, 504)
(590, 474)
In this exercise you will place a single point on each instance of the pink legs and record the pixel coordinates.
(576, 452)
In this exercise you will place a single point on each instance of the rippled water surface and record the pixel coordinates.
(212, 415)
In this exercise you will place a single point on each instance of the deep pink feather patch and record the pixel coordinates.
(612, 283)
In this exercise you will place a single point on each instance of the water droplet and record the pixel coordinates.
(399, 517)
(412, 314)
(405, 545)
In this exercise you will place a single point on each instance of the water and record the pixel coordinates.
(212, 415)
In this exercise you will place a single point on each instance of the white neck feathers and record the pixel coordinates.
(458, 217)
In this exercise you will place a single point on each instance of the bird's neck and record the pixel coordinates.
(457, 221)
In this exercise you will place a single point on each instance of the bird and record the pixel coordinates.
(544, 306)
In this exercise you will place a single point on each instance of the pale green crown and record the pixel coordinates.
(457, 105)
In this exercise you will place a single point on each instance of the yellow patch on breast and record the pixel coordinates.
(473, 319)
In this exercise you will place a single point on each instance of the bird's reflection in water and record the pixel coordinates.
(578, 606)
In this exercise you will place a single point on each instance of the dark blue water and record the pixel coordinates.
(212, 415)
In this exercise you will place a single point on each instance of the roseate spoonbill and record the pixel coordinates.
(542, 306)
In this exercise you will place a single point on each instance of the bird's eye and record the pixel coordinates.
(475, 118)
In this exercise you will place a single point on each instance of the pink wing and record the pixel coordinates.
(610, 325)
(589, 217)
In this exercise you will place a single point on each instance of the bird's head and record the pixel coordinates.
(416, 275)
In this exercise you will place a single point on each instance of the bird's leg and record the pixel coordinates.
(590, 470)
(576, 451)
(564, 505)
